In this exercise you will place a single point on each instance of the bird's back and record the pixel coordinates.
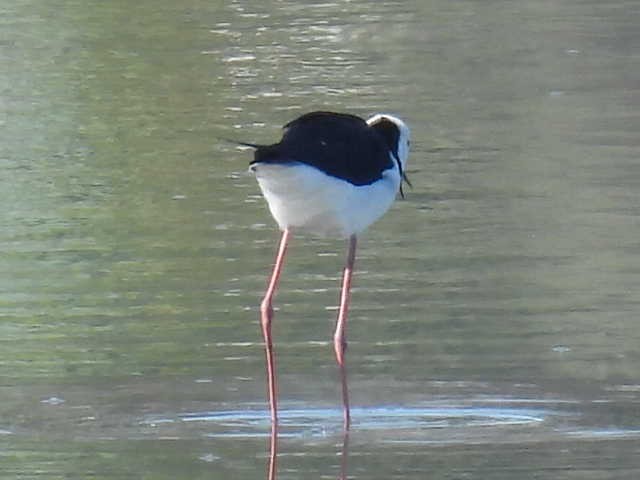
(340, 145)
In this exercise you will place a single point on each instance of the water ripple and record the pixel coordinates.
(297, 422)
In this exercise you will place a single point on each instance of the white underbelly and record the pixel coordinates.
(302, 197)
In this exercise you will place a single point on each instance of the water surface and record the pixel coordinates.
(493, 333)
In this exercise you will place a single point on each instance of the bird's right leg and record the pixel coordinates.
(266, 318)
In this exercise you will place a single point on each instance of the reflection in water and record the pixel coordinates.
(398, 425)
(273, 453)
(344, 455)
(488, 422)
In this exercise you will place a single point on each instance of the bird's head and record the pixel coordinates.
(398, 137)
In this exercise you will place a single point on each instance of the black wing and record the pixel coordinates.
(340, 145)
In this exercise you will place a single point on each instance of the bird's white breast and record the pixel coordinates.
(304, 198)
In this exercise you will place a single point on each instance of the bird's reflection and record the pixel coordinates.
(272, 470)
(344, 455)
(273, 452)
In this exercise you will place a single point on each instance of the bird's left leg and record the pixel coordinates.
(339, 338)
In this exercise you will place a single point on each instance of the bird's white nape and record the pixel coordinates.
(404, 135)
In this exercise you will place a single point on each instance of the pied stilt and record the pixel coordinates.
(330, 174)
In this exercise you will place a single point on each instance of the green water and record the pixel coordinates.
(135, 246)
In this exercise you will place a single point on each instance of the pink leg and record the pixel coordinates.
(339, 338)
(266, 318)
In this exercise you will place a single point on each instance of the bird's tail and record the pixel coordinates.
(240, 143)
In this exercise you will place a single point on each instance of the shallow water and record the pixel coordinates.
(493, 331)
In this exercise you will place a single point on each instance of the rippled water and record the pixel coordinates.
(493, 333)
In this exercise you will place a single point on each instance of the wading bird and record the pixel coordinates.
(331, 174)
